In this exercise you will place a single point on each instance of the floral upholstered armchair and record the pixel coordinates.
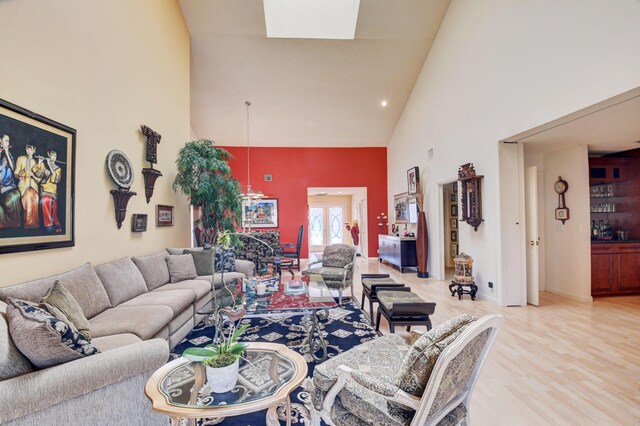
(389, 382)
(336, 267)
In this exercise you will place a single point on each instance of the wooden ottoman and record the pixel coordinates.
(371, 284)
(403, 307)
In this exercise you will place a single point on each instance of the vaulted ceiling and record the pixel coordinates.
(305, 92)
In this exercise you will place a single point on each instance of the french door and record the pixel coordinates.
(326, 225)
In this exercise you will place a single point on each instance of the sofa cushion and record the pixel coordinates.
(229, 278)
(225, 259)
(143, 321)
(177, 300)
(43, 338)
(106, 343)
(203, 259)
(63, 305)
(418, 363)
(181, 267)
(121, 279)
(12, 362)
(180, 250)
(199, 287)
(83, 283)
(153, 268)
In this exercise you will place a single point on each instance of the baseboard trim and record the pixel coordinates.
(570, 295)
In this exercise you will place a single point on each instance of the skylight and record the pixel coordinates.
(320, 19)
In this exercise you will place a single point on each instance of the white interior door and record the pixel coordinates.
(533, 240)
(326, 226)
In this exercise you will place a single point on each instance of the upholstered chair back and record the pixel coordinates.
(338, 255)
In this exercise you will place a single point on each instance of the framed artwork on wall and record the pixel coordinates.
(138, 223)
(453, 222)
(37, 178)
(261, 214)
(413, 211)
(454, 250)
(412, 180)
(401, 208)
(454, 210)
(164, 215)
(452, 197)
(454, 235)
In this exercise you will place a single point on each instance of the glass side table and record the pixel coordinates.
(267, 376)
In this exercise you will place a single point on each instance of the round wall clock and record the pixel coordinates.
(120, 169)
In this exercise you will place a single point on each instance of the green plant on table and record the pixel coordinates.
(221, 354)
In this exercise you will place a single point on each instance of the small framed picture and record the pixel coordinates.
(138, 223)
(454, 210)
(164, 215)
(454, 187)
(453, 222)
(454, 250)
(412, 180)
(453, 198)
(454, 235)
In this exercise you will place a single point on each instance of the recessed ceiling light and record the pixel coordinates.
(384, 103)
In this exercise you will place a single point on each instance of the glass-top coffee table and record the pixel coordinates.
(290, 295)
(268, 373)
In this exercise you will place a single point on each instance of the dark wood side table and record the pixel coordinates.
(459, 289)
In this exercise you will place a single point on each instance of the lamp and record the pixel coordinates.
(249, 198)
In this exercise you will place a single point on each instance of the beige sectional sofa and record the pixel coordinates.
(135, 314)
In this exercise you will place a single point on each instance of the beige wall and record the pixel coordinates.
(498, 68)
(568, 246)
(103, 68)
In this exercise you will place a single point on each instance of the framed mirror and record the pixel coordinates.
(470, 195)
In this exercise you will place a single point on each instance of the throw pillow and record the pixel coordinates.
(422, 356)
(181, 267)
(225, 259)
(64, 306)
(203, 259)
(43, 338)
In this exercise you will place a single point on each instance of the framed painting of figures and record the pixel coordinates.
(37, 173)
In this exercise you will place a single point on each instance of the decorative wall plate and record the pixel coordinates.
(120, 169)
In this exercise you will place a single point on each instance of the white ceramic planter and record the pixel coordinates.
(223, 379)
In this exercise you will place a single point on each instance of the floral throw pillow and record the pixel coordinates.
(225, 259)
(43, 338)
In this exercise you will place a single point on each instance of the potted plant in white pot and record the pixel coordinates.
(221, 360)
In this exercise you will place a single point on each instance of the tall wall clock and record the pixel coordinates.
(562, 212)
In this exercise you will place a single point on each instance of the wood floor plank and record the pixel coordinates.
(562, 363)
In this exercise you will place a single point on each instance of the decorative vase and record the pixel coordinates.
(223, 379)
(422, 247)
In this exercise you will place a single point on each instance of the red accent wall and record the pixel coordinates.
(296, 169)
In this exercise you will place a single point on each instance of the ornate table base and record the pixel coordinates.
(458, 288)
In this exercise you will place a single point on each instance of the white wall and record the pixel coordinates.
(537, 160)
(103, 68)
(568, 246)
(498, 68)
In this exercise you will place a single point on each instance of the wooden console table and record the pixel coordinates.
(398, 251)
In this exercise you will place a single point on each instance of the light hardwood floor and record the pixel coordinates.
(562, 363)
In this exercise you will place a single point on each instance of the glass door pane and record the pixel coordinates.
(316, 226)
(336, 234)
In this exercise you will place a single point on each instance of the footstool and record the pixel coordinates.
(403, 307)
(371, 284)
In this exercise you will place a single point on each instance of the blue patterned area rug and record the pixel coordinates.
(346, 327)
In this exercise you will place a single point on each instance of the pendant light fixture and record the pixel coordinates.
(249, 198)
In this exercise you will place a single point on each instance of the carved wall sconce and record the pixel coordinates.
(121, 173)
(150, 174)
(471, 195)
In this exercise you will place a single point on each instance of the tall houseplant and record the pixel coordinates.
(205, 177)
